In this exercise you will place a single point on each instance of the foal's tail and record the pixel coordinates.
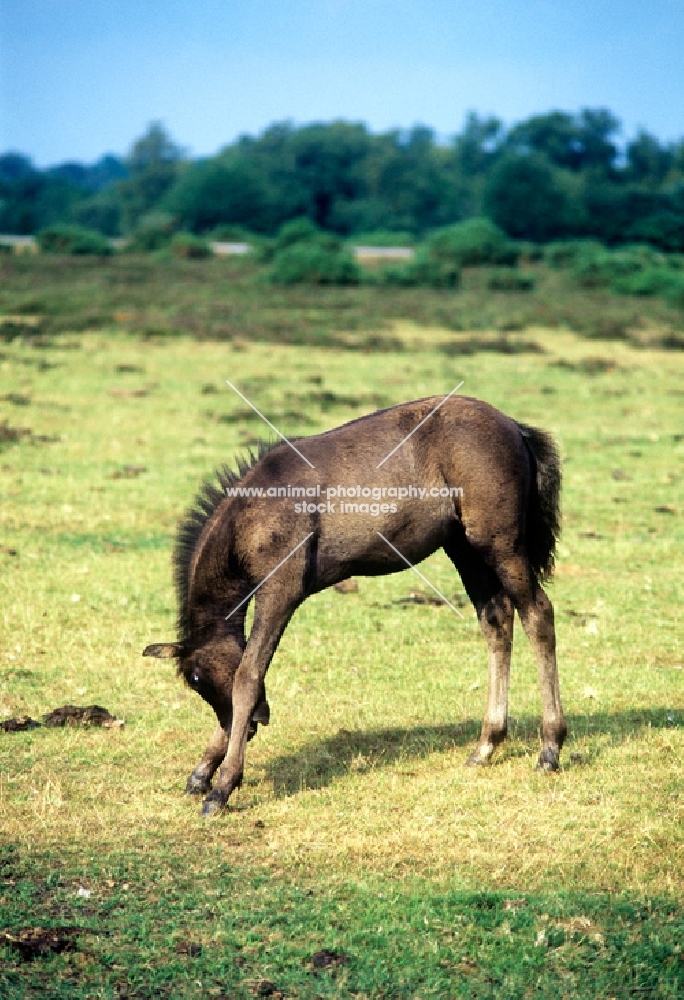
(543, 510)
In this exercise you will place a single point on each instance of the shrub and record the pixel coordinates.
(154, 232)
(190, 247)
(397, 276)
(313, 263)
(596, 267)
(303, 230)
(470, 243)
(563, 253)
(434, 271)
(509, 279)
(69, 238)
(674, 292)
(303, 253)
(650, 281)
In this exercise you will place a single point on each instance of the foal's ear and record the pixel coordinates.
(163, 649)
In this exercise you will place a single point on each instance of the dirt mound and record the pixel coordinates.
(33, 941)
(76, 715)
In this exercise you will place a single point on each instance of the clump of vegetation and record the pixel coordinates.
(630, 270)
(564, 253)
(154, 232)
(69, 238)
(509, 279)
(304, 254)
(472, 243)
(187, 246)
(446, 251)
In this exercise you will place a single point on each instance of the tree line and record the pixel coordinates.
(553, 176)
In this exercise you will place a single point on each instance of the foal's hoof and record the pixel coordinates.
(477, 760)
(213, 804)
(197, 786)
(548, 762)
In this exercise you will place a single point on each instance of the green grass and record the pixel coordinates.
(357, 829)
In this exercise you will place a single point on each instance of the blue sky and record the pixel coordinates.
(79, 78)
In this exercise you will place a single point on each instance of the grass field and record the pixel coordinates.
(358, 829)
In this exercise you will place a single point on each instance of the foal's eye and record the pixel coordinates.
(194, 680)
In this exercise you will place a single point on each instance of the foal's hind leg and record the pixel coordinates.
(536, 615)
(495, 613)
(496, 622)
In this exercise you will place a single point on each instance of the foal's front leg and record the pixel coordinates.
(496, 621)
(199, 781)
(271, 615)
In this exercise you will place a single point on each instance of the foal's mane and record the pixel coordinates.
(209, 498)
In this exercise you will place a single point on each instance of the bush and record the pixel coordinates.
(303, 230)
(674, 293)
(630, 270)
(303, 253)
(313, 263)
(597, 267)
(154, 232)
(473, 242)
(509, 279)
(563, 253)
(433, 271)
(397, 276)
(189, 247)
(70, 238)
(651, 281)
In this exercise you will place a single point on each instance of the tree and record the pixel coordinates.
(578, 142)
(556, 135)
(597, 130)
(647, 160)
(213, 192)
(15, 167)
(477, 146)
(153, 164)
(524, 197)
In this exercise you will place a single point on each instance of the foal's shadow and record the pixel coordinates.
(319, 762)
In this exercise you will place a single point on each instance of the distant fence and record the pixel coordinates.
(19, 244)
(383, 253)
(28, 244)
(230, 249)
